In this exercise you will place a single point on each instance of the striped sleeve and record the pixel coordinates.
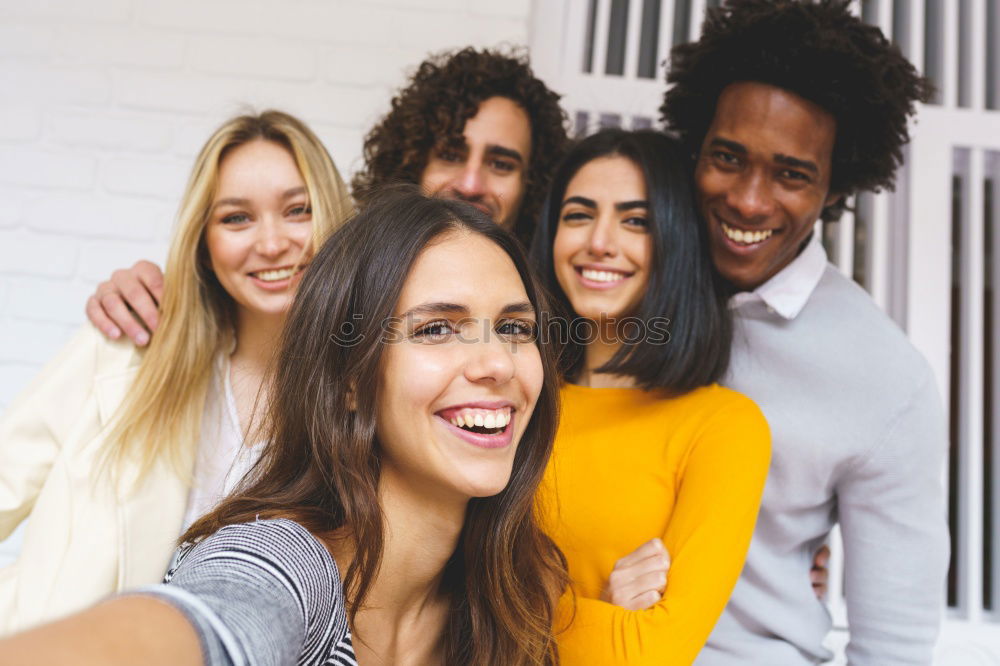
(260, 594)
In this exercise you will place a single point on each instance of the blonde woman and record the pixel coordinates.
(114, 451)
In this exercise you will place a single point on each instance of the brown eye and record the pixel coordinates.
(519, 330)
(435, 331)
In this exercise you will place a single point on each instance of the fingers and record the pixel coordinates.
(645, 600)
(152, 277)
(128, 302)
(640, 578)
(103, 323)
(639, 592)
(819, 574)
(653, 580)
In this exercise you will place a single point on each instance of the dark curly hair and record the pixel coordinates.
(822, 53)
(431, 112)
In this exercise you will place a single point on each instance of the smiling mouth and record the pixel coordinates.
(604, 277)
(745, 238)
(482, 421)
(276, 274)
(481, 427)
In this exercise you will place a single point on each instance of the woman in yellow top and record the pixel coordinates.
(649, 445)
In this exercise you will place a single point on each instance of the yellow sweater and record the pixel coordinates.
(629, 465)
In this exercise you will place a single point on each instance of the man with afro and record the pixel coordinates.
(789, 107)
(472, 124)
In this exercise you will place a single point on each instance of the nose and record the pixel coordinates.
(603, 238)
(490, 360)
(751, 197)
(470, 183)
(272, 238)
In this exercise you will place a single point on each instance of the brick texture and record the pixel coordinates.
(104, 104)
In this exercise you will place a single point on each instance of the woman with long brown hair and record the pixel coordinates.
(412, 413)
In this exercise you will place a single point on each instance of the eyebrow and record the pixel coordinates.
(620, 206)
(503, 151)
(240, 201)
(439, 308)
(780, 158)
(788, 160)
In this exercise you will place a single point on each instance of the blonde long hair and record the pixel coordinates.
(159, 421)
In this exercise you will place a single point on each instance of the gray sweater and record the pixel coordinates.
(859, 436)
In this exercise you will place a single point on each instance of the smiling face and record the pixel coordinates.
(259, 229)
(463, 373)
(762, 179)
(488, 166)
(602, 248)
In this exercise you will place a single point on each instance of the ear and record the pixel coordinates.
(832, 198)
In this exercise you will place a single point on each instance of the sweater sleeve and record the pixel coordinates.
(719, 490)
(892, 518)
(262, 594)
(39, 422)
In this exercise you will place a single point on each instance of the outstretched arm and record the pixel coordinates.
(119, 632)
(258, 593)
(707, 537)
(128, 302)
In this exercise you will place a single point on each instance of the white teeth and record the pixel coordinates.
(489, 419)
(602, 276)
(746, 237)
(275, 275)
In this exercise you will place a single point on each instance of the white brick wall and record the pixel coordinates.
(104, 103)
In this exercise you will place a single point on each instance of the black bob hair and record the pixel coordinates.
(683, 287)
(819, 51)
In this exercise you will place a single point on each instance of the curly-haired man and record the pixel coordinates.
(471, 124)
(790, 107)
(475, 125)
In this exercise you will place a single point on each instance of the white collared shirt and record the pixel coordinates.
(788, 291)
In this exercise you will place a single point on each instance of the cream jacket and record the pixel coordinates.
(85, 538)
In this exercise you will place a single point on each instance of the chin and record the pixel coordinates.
(486, 485)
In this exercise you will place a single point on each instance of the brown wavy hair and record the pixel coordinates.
(322, 464)
(431, 111)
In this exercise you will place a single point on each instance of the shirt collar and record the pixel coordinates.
(787, 292)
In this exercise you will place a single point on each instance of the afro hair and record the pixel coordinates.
(819, 51)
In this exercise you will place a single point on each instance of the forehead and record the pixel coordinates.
(258, 165)
(500, 121)
(611, 177)
(771, 120)
(466, 269)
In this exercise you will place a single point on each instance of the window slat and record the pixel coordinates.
(602, 17)
(666, 37)
(633, 34)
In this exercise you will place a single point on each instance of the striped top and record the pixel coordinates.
(266, 593)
